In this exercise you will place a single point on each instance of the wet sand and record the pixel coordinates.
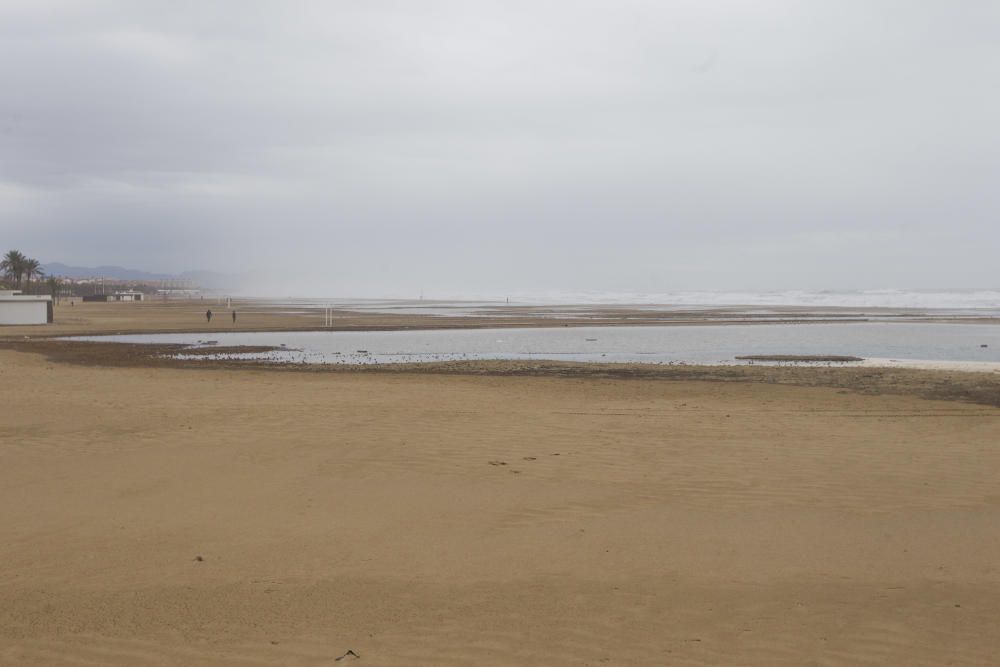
(497, 515)
(189, 316)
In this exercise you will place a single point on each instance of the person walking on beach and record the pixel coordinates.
(208, 315)
(234, 317)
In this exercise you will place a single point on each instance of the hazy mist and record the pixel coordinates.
(381, 148)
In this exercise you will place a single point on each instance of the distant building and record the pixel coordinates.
(17, 308)
(117, 296)
(178, 293)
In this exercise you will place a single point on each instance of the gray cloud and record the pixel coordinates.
(378, 147)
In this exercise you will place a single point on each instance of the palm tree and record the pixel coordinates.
(54, 284)
(12, 266)
(31, 268)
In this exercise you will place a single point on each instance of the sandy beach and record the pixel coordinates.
(221, 515)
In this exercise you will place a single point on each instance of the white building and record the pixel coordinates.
(117, 296)
(17, 308)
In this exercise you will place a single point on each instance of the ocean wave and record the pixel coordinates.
(951, 299)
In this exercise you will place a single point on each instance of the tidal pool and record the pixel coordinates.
(717, 344)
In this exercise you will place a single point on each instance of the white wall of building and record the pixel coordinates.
(18, 311)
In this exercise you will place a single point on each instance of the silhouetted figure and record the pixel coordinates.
(234, 317)
(208, 315)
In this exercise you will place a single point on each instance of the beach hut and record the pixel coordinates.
(17, 308)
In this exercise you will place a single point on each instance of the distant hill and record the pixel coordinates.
(110, 272)
(208, 279)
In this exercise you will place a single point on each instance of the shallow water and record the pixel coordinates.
(650, 344)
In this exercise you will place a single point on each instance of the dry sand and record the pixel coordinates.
(442, 519)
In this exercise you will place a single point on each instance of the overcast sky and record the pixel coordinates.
(377, 148)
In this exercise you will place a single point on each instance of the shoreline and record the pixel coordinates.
(941, 382)
(977, 382)
(933, 365)
(159, 350)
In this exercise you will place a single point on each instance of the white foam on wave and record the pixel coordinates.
(944, 299)
(934, 365)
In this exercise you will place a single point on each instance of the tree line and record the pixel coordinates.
(18, 270)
